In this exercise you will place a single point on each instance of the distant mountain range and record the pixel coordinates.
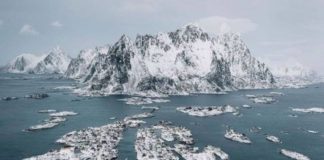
(56, 61)
(187, 60)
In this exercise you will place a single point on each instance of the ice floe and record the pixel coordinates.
(63, 114)
(237, 137)
(273, 139)
(207, 111)
(293, 155)
(309, 110)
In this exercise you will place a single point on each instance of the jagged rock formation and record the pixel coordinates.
(246, 70)
(54, 62)
(187, 60)
(79, 64)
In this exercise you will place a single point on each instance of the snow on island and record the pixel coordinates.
(47, 111)
(63, 114)
(9, 98)
(293, 155)
(55, 119)
(309, 110)
(207, 111)
(45, 125)
(237, 137)
(273, 139)
(93, 142)
(263, 99)
(152, 143)
(143, 100)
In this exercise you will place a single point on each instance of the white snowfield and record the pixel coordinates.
(309, 110)
(237, 137)
(207, 111)
(293, 155)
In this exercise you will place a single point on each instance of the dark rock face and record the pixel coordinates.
(9, 98)
(37, 96)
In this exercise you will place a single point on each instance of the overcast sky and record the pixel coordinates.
(279, 30)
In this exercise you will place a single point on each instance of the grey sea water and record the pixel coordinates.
(17, 115)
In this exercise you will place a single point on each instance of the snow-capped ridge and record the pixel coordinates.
(56, 61)
(187, 60)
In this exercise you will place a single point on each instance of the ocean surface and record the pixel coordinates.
(274, 119)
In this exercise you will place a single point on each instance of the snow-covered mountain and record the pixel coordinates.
(23, 63)
(187, 60)
(246, 70)
(56, 61)
(294, 75)
(78, 65)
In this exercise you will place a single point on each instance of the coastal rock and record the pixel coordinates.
(293, 155)
(208, 153)
(263, 99)
(152, 143)
(63, 114)
(143, 100)
(47, 111)
(42, 126)
(37, 96)
(309, 110)
(273, 139)
(9, 98)
(94, 142)
(237, 137)
(207, 111)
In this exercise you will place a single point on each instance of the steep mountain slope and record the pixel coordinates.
(246, 70)
(187, 60)
(55, 62)
(79, 64)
